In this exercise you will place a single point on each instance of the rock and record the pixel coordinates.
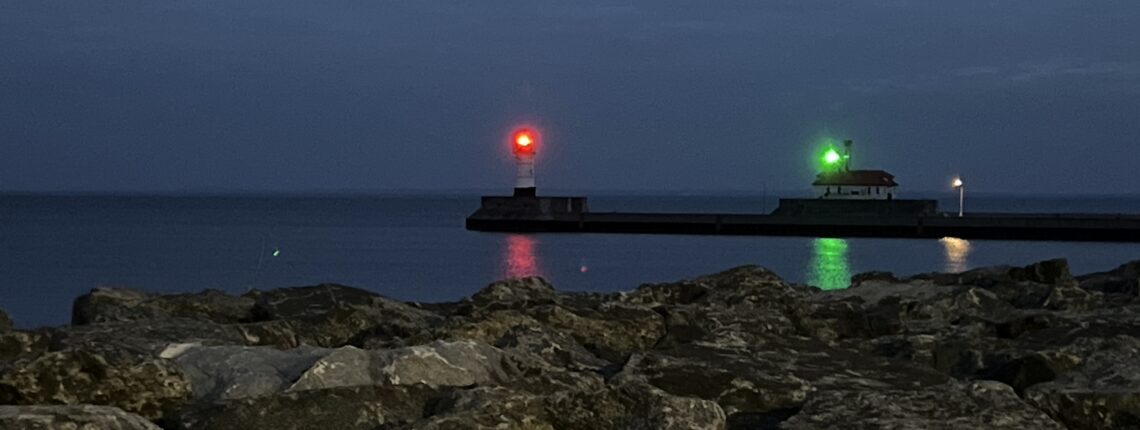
(1122, 282)
(555, 348)
(1050, 272)
(988, 405)
(71, 418)
(144, 385)
(1102, 392)
(232, 372)
(5, 322)
(343, 408)
(515, 293)
(343, 367)
(632, 404)
(152, 337)
(1069, 297)
(18, 344)
(775, 375)
(611, 331)
(484, 327)
(331, 315)
(454, 364)
(486, 408)
(739, 306)
(122, 304)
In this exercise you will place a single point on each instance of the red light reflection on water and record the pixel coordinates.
(520, 259)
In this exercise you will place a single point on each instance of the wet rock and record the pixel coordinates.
(343, 408)
(988, 405)
(1101, 392)
(144, 385)
(123, 304)
(331, 315)
(230, 372)
(71, 418)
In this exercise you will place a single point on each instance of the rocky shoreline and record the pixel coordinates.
(1000, 347)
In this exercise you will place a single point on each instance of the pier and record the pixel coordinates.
(914, 219)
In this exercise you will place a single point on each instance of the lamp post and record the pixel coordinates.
(961, 186)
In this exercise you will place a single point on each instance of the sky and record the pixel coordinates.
(1034, 96)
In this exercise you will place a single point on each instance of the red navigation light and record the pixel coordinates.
(524, 141)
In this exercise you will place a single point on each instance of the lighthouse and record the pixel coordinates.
(524, 142)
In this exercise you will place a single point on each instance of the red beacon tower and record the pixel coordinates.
(524, 142)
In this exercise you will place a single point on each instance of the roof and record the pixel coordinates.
(862, 178)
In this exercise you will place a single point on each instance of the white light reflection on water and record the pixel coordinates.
(829, 268)
(957, 254)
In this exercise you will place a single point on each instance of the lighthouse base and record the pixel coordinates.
(526, 192)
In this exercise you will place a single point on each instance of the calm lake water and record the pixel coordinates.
(54, 248)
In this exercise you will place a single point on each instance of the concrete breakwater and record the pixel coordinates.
(999, 347)
(804, 217)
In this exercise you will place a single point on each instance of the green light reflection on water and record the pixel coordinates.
(828, 268)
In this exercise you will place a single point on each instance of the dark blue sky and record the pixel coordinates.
(283, 95)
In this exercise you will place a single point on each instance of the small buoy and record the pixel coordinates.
(583, 269)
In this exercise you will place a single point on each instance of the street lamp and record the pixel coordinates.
(961, 186)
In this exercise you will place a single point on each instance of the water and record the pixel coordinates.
(54, 248)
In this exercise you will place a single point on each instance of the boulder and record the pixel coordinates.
(220, 373)
(437, 364)
(514, 293)
(740, 305)
(331, 315)
(485, 327)
(1121, 284)
(5, 322)
(17, 344)
(153, 336)
(486, 408)
(612, 331)
(553, 347)
(342, 408)
(145, 385)
(983, 405)
(1101, 392)
(775, 375)
(71, 418)
(124, 304)
(632, 404)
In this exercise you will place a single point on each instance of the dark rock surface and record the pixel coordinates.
(77, 417)
(978, 405)
(997, 347)
(121, 304)
(5, 322)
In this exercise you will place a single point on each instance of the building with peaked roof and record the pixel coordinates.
(856, 185)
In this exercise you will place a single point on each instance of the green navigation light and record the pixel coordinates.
(831, 156)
